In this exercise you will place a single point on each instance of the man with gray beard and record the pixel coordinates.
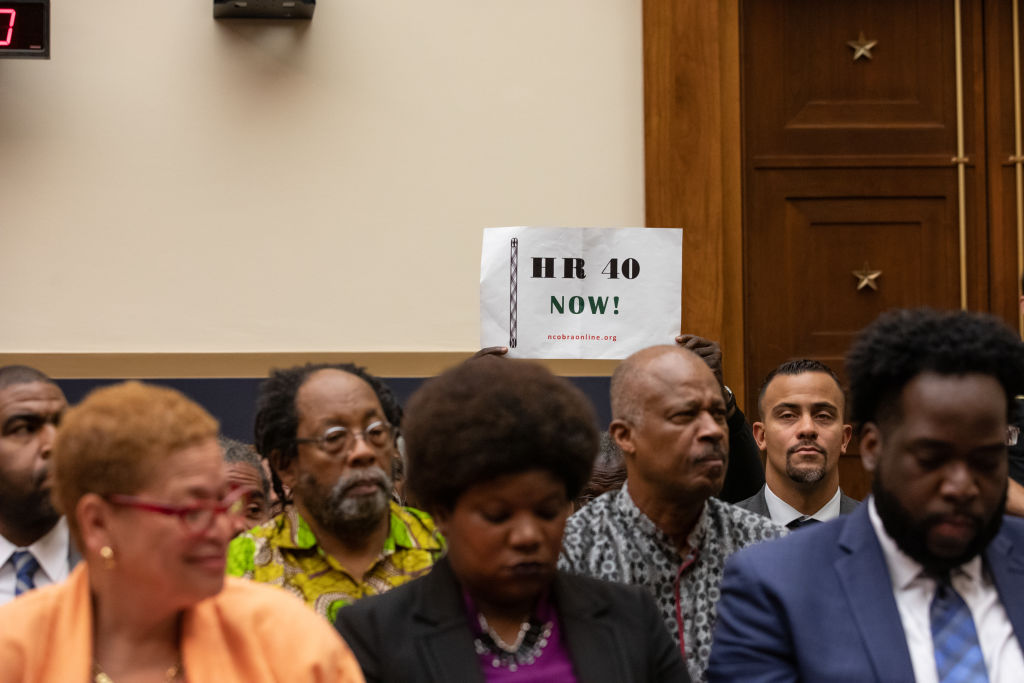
(329, 433)
(803, 432)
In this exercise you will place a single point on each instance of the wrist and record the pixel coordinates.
(730, 401)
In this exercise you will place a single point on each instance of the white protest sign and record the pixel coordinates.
(580, 292)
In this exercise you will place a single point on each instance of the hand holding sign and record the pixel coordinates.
(709, 351)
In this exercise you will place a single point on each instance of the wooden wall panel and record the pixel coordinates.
(1000, 151)
(809, 97)
(807, 115)
(692, 159)
(852, 163)
(815, 228)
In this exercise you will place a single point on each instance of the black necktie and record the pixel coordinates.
(802, 522)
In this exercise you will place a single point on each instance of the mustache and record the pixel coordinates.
(938, 518)
(803, 445)
(716, 452)
(373, 475)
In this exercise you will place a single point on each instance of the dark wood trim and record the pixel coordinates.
(692, 159)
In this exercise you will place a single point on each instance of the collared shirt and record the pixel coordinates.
(610, 538)
(783, 513)
(284, 552)
(50, 551)
(914, 591)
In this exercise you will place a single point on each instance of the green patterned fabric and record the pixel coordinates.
(284, 552)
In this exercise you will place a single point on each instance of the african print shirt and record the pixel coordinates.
(284, 552)
(611, 539)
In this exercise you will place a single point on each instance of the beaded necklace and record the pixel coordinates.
(530, 642)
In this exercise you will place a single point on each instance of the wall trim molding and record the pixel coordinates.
(201, 365)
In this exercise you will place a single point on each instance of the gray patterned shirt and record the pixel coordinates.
(611, 539)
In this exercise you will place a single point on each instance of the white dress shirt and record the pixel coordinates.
(914, 591)
(51, 551)
(783, 513)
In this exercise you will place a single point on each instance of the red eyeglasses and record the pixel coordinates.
(196, 518)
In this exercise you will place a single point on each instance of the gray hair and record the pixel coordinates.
(236, 451)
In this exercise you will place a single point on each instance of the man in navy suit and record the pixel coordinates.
(924, 581)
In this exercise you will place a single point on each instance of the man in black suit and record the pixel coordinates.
(803, 431)
(35, 544)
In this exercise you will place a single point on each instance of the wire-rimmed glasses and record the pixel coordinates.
(339, 440)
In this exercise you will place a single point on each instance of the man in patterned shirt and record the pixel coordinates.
(330, 441)
(664, 530)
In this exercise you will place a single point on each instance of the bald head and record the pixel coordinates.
(21, 374)
(669, 421)
(637, 377)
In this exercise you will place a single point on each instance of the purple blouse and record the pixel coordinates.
(552, 664)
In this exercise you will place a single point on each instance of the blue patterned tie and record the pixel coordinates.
(25, 566)
(958, 656)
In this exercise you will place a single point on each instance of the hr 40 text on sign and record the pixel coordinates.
(580, 292)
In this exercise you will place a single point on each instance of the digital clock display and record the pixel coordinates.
(25, 28)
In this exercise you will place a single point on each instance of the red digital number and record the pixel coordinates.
(10, 26)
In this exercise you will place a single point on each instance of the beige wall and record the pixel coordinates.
(171, 183)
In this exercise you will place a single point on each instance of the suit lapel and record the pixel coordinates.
(596, 654)
(445, 643)
(865, 580)
(846, 504)
(760, 504)
(1007, 571)
(447, 651)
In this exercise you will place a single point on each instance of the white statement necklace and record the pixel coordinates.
(530, 642)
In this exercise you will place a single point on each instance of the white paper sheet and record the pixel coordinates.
(580, 292)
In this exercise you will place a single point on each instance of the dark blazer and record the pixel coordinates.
(818, 606)
(757, 503)
(745, 473)
(419, 632)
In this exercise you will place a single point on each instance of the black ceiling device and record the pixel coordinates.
(263, 9)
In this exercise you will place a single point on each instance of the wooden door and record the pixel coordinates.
(857, 198)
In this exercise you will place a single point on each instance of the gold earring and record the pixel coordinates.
(107, 553)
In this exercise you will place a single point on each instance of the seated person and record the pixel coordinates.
(922, 582)
(745, 474)
(245, 470)
(803, 433)
(140, 476)
(329, 432)
(609, 473)
(665, 530)
(497, 449)
(35, 546)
